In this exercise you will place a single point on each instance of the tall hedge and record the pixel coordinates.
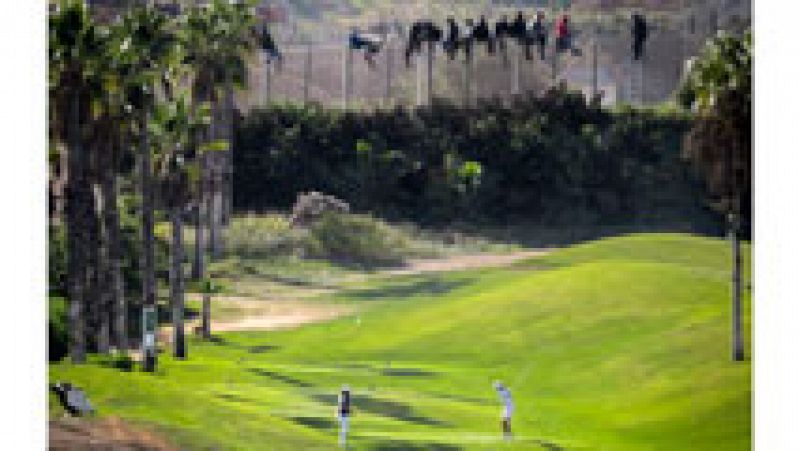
(553, 159)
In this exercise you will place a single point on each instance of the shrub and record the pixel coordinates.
(265, 237)
(357, 239)
(57, 332)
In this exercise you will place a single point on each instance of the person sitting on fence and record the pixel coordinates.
(564, 36)
(537, 32)
(469, 37)
(451, 44)
(639, 32)
(421, 31)
(481, 33)
(269, 47)
(517, 28)
(370, 45)
(502, 31)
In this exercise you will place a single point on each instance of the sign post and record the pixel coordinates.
(149, 322)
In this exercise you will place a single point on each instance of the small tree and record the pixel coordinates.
(719, 89)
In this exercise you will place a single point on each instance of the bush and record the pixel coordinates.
(264, 237)
(57, 328)
(357, 239)
(551, 159)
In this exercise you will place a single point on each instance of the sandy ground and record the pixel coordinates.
(102, 434)
(460, 262)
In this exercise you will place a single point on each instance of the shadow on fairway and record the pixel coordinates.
(315, 422)
(280, 377)
(258, 349)
(548, 445)
(408, 372)
(392, 409)
(236, 398)
(395, 445)
(432, 285)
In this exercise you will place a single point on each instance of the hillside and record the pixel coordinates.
(616, 344)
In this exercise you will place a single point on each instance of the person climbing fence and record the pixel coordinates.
(537, 30)
(451, 43)
(421, 31)
(269, 47)
(639, 33)
(371, 46)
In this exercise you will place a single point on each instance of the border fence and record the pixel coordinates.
(328, 73)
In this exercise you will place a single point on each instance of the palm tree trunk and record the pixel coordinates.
(206, 324)
(76, 241)
(105, 290)
(198, 267)
(148, 251)
(738, 341)
(212, 208)
(226, 204)
(120, 307)
(176, 284)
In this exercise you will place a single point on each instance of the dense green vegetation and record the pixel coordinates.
(617, 344)
(553, 159)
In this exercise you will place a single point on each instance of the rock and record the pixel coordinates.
(311, 206)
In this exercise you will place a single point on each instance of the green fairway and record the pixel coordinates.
(616, 344)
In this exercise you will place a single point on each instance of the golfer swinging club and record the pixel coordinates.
(343, 413)
(508, 408)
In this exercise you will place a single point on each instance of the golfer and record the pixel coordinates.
(343, 413)
(508, 408)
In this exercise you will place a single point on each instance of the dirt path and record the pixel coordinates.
(460, 262)
(102, 434)
(270, 314)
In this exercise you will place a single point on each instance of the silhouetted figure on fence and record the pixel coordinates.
(563, 36)
(469, 36)
(639, 33)
(370, 46)
(537, 31)
(451, 43)
(269, 47)
(481, 33)
(502, 31)
(421, 31)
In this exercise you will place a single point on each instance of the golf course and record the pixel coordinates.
(621, 343)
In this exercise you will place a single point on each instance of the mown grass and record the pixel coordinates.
(615, 344)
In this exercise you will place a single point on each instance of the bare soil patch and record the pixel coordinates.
(460, 262)
(102, 434)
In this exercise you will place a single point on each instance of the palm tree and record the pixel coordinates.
(173, 126)
(219, 40)
(76, 55)
(718, 88)
(148, 55)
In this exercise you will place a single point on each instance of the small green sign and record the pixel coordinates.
(150, 319)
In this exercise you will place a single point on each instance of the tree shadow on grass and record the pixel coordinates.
(407, 372)
(392, 409)
(315, 422)
(428, 285)
(280, 377)
(398, 445)
(257, 349)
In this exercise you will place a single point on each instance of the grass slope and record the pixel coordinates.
(616, 344)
